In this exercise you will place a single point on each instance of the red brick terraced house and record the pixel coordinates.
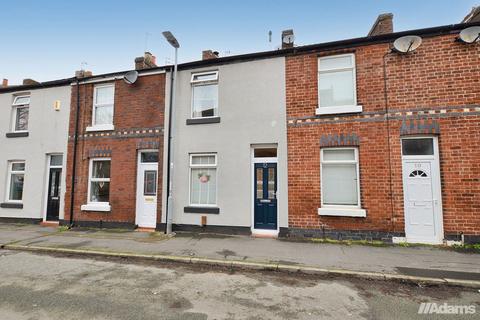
(383, 144)
(119, 149)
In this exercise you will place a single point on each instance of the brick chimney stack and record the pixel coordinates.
(4, 83)
(383, 25)
(209, 54)
(83, 74)
(28, 82)
(147, 61)
(287, 39)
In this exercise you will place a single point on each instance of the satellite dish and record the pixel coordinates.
(130, 77)
(289, 38)
(470, 35)
(407, 44)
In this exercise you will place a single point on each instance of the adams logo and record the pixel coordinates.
(435, 308)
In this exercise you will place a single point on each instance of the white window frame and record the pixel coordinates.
(341, 210)
(199, 166)
(197, 83)
(15, 107)
(96, 206)
(338, 109)
(9, 180)
(102, 127)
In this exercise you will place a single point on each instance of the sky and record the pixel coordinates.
(50, 39)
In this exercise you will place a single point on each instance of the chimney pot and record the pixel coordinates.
(209, 54)
(4, 83)
(287, 39)
(383, 25)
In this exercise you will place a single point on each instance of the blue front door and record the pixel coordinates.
(265, 194)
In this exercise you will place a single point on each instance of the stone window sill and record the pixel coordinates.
(194, 209)
(96, 207)
(103, 127)
(342, 212)
(17, 134)
(203, 120)
(338, 110)
(11, 205)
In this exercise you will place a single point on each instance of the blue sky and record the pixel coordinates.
(47, 40)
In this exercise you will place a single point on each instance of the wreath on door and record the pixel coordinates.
(203, 177)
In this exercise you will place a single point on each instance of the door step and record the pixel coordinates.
(273, 234)
(142, 229)
(50, 223)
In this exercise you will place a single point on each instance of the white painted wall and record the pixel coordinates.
(252, 111)
(48, 133)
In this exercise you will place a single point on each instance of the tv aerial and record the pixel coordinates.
(407, 44)
(130, 77)
(470, 35)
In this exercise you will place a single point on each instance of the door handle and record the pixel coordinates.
(54, 198)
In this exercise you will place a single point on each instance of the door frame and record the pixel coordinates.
(139, 163)
(47, 182)
(436, 186)
(254, 160)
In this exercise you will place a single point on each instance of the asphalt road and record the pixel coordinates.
(54, 287)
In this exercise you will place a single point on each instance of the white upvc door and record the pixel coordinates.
(422, 197)
(146, 204)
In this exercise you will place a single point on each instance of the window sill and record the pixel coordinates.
(20, 134)
(337, 110)
(11, 205)
(342, 212)
(96, 207)
(193, 209)
(103, 127)
(203, 120)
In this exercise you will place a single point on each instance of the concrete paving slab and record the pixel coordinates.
(17, 232)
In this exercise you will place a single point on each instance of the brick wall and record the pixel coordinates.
(138, 121)
(436, 87)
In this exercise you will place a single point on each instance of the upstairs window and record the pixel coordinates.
(337, 84)
(103, 102)
(21, 105)
(204, 94)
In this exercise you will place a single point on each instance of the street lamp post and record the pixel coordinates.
(169, 216)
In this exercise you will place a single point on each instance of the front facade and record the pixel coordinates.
(384, 145)
(346, 140)
(33, 140)
(118, 151)
(229, 147)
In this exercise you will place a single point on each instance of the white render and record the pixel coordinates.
(251, 106)
(48, 134)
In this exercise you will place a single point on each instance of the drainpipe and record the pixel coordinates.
(75, 141)
(388, 134)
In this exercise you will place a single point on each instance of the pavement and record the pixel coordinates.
(51, 287)
(414, 264)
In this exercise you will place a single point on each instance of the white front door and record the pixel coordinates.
(147, 182)
(421, 191)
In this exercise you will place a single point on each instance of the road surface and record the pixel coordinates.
(36, 286)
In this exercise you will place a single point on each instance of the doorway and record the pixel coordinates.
(147, 183)
(54, 187)
(265, 187)
(422, 190)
